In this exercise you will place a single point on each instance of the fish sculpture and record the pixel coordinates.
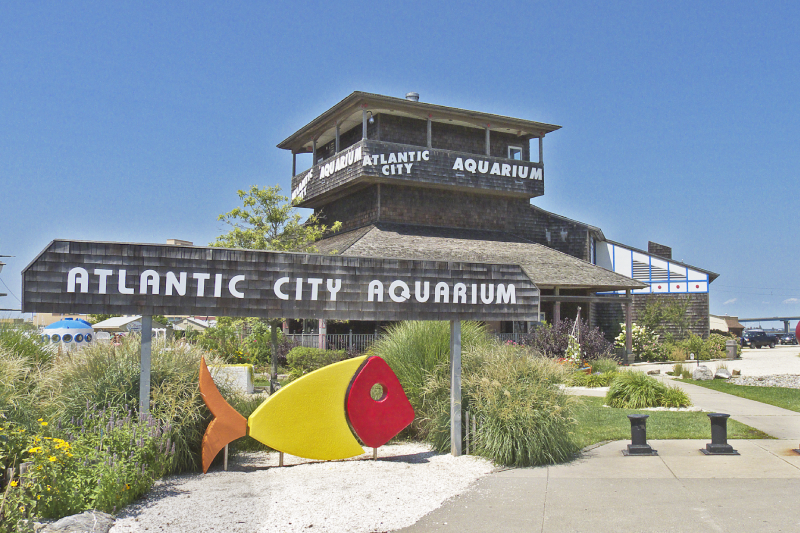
(312, 416)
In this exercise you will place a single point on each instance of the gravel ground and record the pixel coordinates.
(356, 495)
(754, 362)
(791, 381)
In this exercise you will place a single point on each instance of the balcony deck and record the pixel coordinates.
(368, 161)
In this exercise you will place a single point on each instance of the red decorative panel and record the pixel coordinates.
(377, 421)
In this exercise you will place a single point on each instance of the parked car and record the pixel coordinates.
(758, 338)
(788, 338)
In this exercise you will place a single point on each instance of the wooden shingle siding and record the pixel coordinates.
(608, 317)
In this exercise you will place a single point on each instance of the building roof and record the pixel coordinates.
(545, 267)
(117, 323)
(348, 115)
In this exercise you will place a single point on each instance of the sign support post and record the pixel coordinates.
(273, 375)
(144, 366)
(455, 387)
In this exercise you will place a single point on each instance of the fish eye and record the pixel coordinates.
(378, 392)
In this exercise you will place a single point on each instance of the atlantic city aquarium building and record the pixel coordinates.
(413, 180)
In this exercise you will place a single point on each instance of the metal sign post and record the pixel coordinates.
(144, 367)
(455, 387)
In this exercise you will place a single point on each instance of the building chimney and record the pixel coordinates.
(414, 97)
(659, 250)
(178, 242)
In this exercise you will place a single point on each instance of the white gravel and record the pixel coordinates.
(754, 362)
(356, 495)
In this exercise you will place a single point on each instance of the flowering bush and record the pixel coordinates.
(553, 341)
(103, 462)
(644, 341)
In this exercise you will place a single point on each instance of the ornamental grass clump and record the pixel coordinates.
(637, 390)
(104, 374)
(419, 351)
(523, 417)
(16, 383)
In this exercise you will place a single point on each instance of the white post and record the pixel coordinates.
(455, 387)
(144, 365)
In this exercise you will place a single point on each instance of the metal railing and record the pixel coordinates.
(360, 342)
(336, 341)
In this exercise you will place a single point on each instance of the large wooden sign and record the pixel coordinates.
(151, 279)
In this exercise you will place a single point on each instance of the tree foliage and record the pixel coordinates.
(663, 313)
(267, 220)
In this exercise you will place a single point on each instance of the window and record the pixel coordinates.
(515, 152)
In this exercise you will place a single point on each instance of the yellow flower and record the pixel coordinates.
(35, 450)
(44, 423)
(14, 483)
(40, 420)
(52, 459)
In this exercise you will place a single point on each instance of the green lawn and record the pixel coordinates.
(777, 396)
(597, 423)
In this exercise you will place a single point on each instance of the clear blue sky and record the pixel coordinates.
(135, 121)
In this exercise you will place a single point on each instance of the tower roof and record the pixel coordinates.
(347, 114)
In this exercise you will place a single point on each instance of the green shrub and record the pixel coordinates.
(604, 365)
(644, 343)
(675, 397)
(302, 360)
(107, 375)
(694, 344)
(581, 379)
(636, 390)
(716, 345)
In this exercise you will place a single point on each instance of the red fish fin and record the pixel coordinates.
(227, 425)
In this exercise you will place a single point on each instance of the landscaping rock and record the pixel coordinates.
(722, 373)
(736, 373)
(653, 372)
(86, 522)
(702, 373)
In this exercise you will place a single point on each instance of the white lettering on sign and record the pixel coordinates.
(340, 162)
(333, 286)
(498, 169)
(300, 190)
(150, 282)
(443, 292)
(396, 163)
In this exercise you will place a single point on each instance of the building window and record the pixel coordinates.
(515, 152)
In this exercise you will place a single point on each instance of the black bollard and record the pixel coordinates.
(638, 445)
(719, 436)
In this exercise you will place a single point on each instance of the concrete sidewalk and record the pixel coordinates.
(774, 421)
(680, 490)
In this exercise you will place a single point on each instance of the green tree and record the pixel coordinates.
(663, 313)
(267, 220)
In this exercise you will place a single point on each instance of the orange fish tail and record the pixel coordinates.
(227, 425)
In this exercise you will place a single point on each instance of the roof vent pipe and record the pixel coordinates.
(414, 97)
